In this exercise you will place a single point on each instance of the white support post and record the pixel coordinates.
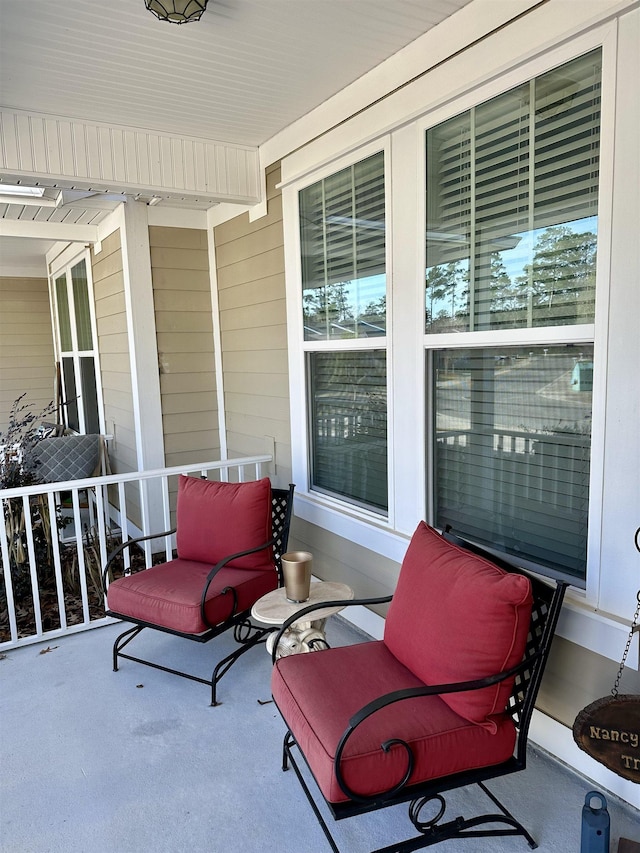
(143, 352)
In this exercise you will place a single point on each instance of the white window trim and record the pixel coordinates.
(63, 265)
(604, 37)
(406, 225)
(355, 523)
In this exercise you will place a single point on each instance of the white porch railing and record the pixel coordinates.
(53, 548)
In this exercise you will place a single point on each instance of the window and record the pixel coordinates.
(77, 350)
(512, 202)
(342, 233)
(512, 223)
(512, 444)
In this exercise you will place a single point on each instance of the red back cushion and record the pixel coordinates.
(456, 617)
(215, 520)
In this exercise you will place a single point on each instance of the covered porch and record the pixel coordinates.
(176, 219)
(131, 761)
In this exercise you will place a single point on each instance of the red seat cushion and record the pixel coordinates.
(215, 520)
(456, 617)
(169, 594)
(319, 692)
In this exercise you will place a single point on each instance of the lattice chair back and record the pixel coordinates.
(545, 610)
(281, 509)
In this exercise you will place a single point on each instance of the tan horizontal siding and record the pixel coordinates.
(177, 238)
(185, 302)
(253, 268)
(187, 457)
(245, 361)
(184, 362)
(251, 294)
(257, 427)
(194, 342)
(110, 284)
(188, 402)
(125, 432)
(180, 383)
(267, 289)
(113, 346)
(112, 305)
(184, 339)
(106, 265)
(189, 421)
(255, 339)
(27, 361)
(261, 241)
(115, 343)
(267, 314)
(174, 279)
(256, 385)
(197, 442)
(179, 259)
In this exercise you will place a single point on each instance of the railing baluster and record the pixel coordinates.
(33, 565)
(8, 583)
(103, 513)
(82, 570)
(57, 564)
(124, 524)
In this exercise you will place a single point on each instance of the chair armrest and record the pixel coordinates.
(411, 693)
(117, 551)
(320, 605)
(214, 571)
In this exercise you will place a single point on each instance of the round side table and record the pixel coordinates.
(305, 634)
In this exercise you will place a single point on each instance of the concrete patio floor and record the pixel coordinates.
(136, 761)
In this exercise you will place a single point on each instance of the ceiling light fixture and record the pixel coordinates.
(177, 11)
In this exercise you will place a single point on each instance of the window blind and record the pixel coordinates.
(512, 449)
(342, 232)
(512, 198)
(348, 415)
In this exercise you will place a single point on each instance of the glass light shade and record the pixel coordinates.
(177, 11)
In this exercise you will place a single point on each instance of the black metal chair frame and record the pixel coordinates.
(528, 676)
(244, 631)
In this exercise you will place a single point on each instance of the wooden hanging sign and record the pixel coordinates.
(609, 731)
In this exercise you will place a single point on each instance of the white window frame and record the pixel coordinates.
(63, 267)
(407, 342)
(593, 333)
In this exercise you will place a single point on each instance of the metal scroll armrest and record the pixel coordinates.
(412, 693)
(320, 605)
(228, 589)
(129, 542)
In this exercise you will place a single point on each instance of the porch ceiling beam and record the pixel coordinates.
(49, 231)
(64, 152)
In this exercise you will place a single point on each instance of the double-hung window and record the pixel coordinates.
(511, 233)
(77, 349)
(343, 263)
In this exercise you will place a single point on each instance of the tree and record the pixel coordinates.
(561, 278)
(327, 305)
(447, 294)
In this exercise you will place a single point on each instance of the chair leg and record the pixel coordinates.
(223, 666)
(122, 640)
(288, 758)
(430, 831)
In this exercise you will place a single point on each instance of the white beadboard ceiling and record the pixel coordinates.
(244, 72)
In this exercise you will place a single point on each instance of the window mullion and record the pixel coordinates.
(472, 226)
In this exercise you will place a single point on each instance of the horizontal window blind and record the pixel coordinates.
(512, 449)
(342, 232)
(348, 416)
(512, 191)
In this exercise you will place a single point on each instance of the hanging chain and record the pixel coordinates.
(634, 625)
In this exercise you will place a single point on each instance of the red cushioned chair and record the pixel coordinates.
(229, 541)
(443, 701)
